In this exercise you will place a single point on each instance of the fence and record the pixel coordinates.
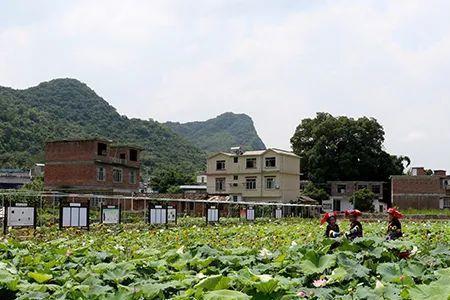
(32, 209)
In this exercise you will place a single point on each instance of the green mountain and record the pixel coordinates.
(67, 108)
(220, 133)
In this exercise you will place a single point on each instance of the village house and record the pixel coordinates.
(270, 175)
(91, 166)
(420, 190)
(342, 191)
(14, 178)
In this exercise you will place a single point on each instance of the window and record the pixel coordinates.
(96, 201)
(250, 183)
(122, 156)
(220, 184)
(376, 189)
(446, 203)
(236, 160)
(270, 183)
(133, 155)
(362, 186)
(235, 198)
(101, 174)
(220, 165)
(251, 163)
(271, 162)
(117, 175)
(132, 177)
(102, 149)
(341, 188)
(235, 177)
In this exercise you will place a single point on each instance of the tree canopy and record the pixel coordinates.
(363, 200)
(343, 148)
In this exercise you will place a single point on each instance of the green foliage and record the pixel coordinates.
(67, 108)
(363, 200)
(286, 259)
(316, 193)
(169, 180)
(342, 148)
(221, 133)
(37, 184)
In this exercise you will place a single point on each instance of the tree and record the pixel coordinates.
(342, 148)
(168, 180)
(363, 200)
(316, 193)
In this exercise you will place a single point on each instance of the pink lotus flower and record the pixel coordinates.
(301, 294)
(320, 282)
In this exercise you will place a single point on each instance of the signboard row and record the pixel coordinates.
(77, 215)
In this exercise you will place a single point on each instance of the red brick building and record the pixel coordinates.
(421, 190)
(91, 166)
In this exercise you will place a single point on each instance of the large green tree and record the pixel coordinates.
(342, 148)
(169, 180)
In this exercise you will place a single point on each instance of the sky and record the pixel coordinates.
(277, 61)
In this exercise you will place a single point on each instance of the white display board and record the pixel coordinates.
(158, 215)
(213, 214)
(278, 213)
(171, 214)
(250, 214)
(74, 215)
(111, 215)
(19, 216)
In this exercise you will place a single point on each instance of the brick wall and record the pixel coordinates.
(417, 185)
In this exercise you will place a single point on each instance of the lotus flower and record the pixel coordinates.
(320, 282)
(301, 294)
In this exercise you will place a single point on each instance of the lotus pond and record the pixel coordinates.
(284, 259)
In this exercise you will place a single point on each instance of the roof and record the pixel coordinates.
(80, 140)
(257, 153)
(193, 187)
(127, 146)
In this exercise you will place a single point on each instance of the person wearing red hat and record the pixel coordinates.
(356, 229)
(332, 230)
(394, 230)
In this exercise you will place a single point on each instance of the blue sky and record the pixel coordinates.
(278, 61)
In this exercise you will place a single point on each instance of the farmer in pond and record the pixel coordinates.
(394, 230)
(356, 229)
(332, 230)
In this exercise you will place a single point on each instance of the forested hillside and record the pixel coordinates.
(221, 133)
(67, 108)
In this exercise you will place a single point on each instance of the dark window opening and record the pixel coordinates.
(101, 149)
(122, 156)
(376, 189)
(133, 155)
(236, 160)
(271, 162)
(251, 163)
(220, 165)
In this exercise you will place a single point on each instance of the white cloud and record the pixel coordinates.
(278, 62)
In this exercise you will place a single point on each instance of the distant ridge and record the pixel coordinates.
(220, 133)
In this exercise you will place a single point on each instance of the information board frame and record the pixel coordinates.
(104, 207)
(250, 213)
(157, 214)
(74, 207)
(278, 213)
(7, 209)
(172, 209)
(212, 213)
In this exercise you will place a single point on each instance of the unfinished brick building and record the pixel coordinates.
(91, 166)
(421, 190)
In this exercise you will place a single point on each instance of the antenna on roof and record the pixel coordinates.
(237, 150)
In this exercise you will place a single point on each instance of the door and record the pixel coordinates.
(336, 205)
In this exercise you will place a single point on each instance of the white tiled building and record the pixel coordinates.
(264, 175)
